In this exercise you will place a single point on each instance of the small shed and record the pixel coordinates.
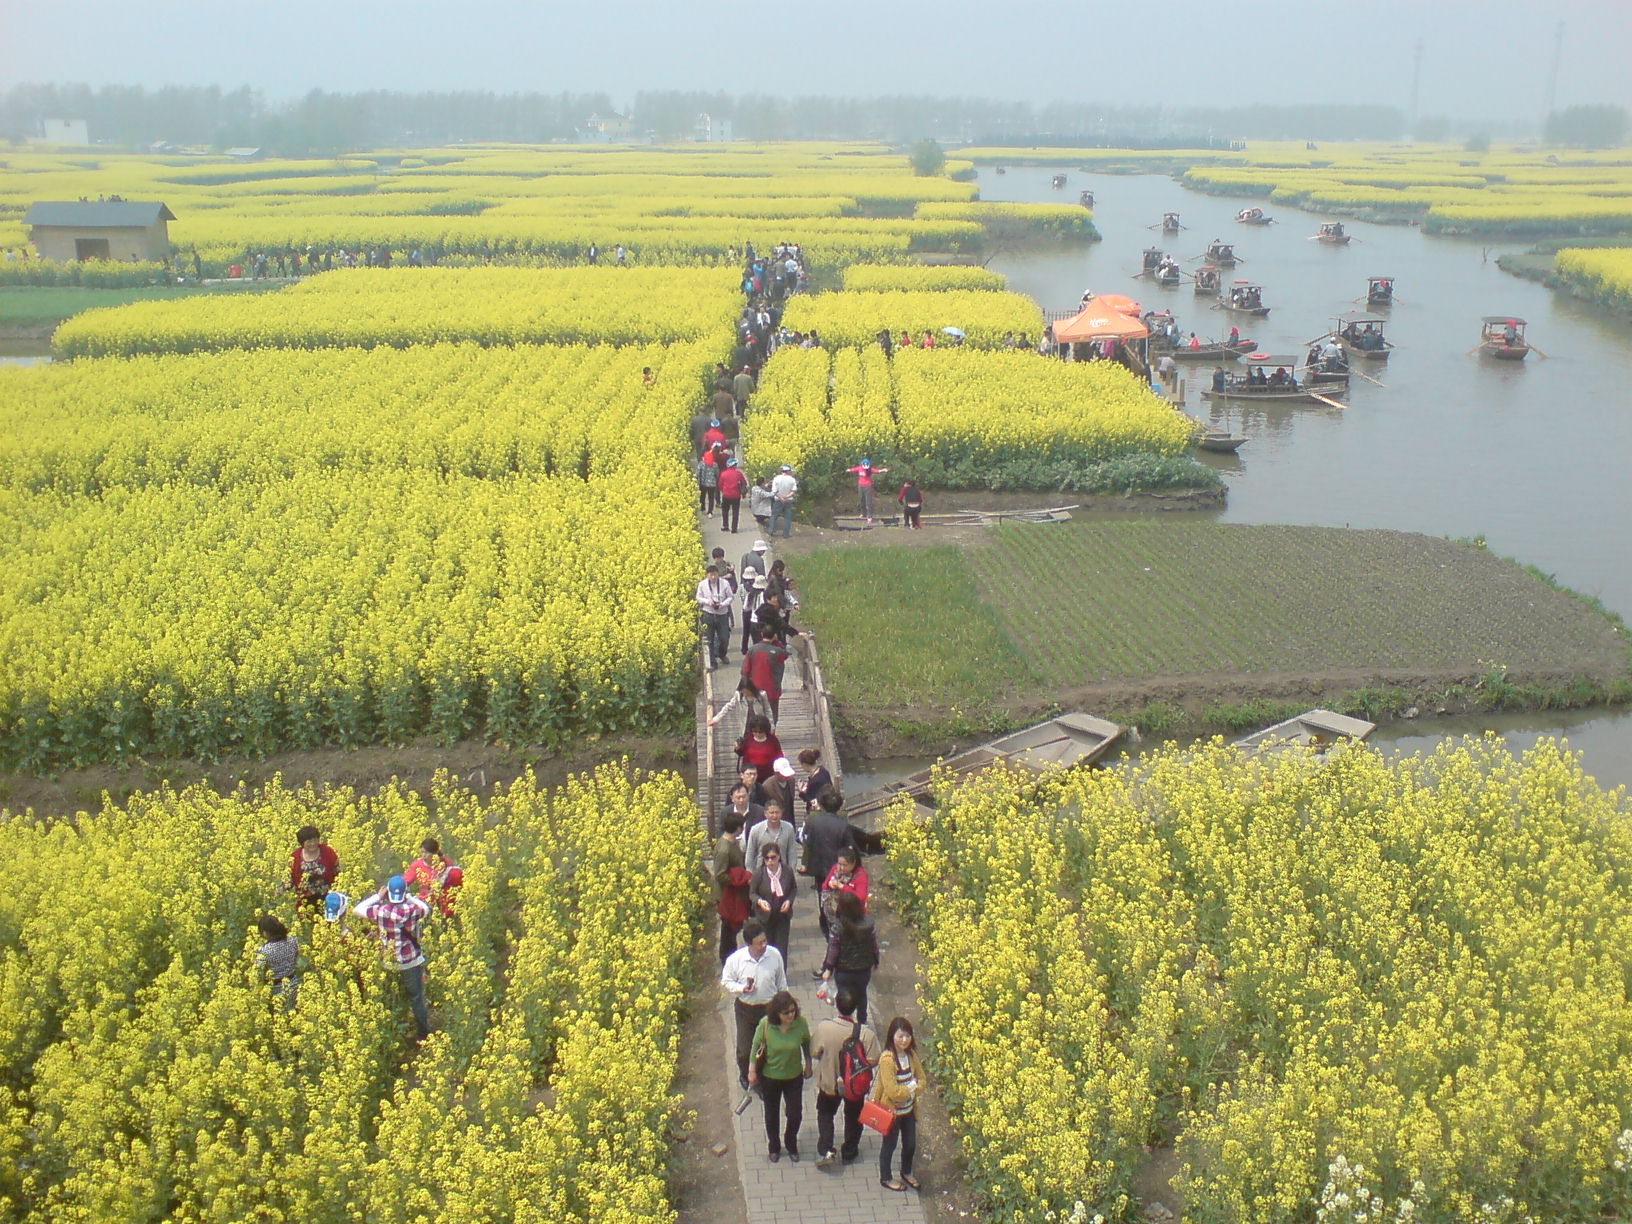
(100, 229)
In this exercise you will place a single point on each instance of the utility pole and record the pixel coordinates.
(1552, 75)
(1416, 87)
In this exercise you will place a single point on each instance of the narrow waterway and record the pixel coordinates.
(1530, 455)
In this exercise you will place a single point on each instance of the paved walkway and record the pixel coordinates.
(785, 1192)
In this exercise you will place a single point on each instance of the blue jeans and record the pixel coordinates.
(782, 511)
(413, 984)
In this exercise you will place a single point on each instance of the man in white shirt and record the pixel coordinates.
(784, 488)
(753, 974)
(714, 601)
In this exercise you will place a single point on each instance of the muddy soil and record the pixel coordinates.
(877, 733)
(704, 1182)
(480, 766)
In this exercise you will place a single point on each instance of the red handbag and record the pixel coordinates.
(876, 1117)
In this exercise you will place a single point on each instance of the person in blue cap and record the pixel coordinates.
(397, 915)
(864, 473)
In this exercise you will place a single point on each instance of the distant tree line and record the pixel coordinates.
(319, 123)
(325, 123)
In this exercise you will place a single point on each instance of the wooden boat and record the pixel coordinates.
(1151, 259)
(1244, 298)
(1253, 216)
(959, 518)
(1068, 741)
(1502, 337)
(1221, 254)
(1238, 392)
(1315, 729)
(1057, 181)
(1208, 279)
(1170, 223)
(1001, 170)
(1215, 352)
(1331, 233)
(1210, 438)
(1167, 275)
(1086, 199)
(1379, 291)
(1238, 387)
(1320, 376)
(1361, 335)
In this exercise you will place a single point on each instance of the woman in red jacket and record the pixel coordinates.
(759, 747)
(314, 867)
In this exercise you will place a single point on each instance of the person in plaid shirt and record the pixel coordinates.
(397, 916)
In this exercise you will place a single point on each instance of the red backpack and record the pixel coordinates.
(855, 1072)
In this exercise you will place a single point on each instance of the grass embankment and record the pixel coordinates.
(1194, 626)
(45, 306)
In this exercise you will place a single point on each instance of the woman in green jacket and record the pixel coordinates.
(779, 1062)
(896, 1085)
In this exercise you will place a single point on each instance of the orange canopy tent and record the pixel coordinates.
(1096, 322)
(1113, 301)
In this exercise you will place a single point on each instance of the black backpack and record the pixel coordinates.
(855, 1072)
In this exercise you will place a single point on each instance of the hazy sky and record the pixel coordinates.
(1478, 55)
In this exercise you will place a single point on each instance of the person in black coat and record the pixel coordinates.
(770, 897)
(826, 833)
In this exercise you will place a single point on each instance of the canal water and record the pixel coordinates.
(1533, 456)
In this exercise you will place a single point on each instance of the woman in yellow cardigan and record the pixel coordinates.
(896, 1085)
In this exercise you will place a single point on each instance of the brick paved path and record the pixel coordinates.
(785, 1192)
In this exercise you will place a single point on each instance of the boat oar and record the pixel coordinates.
(1368, 377)
(1317, 395)
(1475, 349)
(1538, 352)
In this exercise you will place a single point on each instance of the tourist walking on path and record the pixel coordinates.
(847, 876)
(759, 747)
(741, 805)
(778, 789)
(760, 503)
(817, 779)
(911, 501)
(742, 386)
(313, 868)
(864, 472)
(852, 950)
(764, 663)
(845, 1052)
(784, 490)
(773, 890)
(896, 1084)
(827, 835)
(776, 829)
(396, 916)
(714, 601)
(733, 485)
(756, 560)
(754, 974)
(780, 1064)
(731, 880)
(708, 482)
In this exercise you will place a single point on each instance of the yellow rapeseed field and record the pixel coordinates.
(164, 1081)
(1397, 990)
